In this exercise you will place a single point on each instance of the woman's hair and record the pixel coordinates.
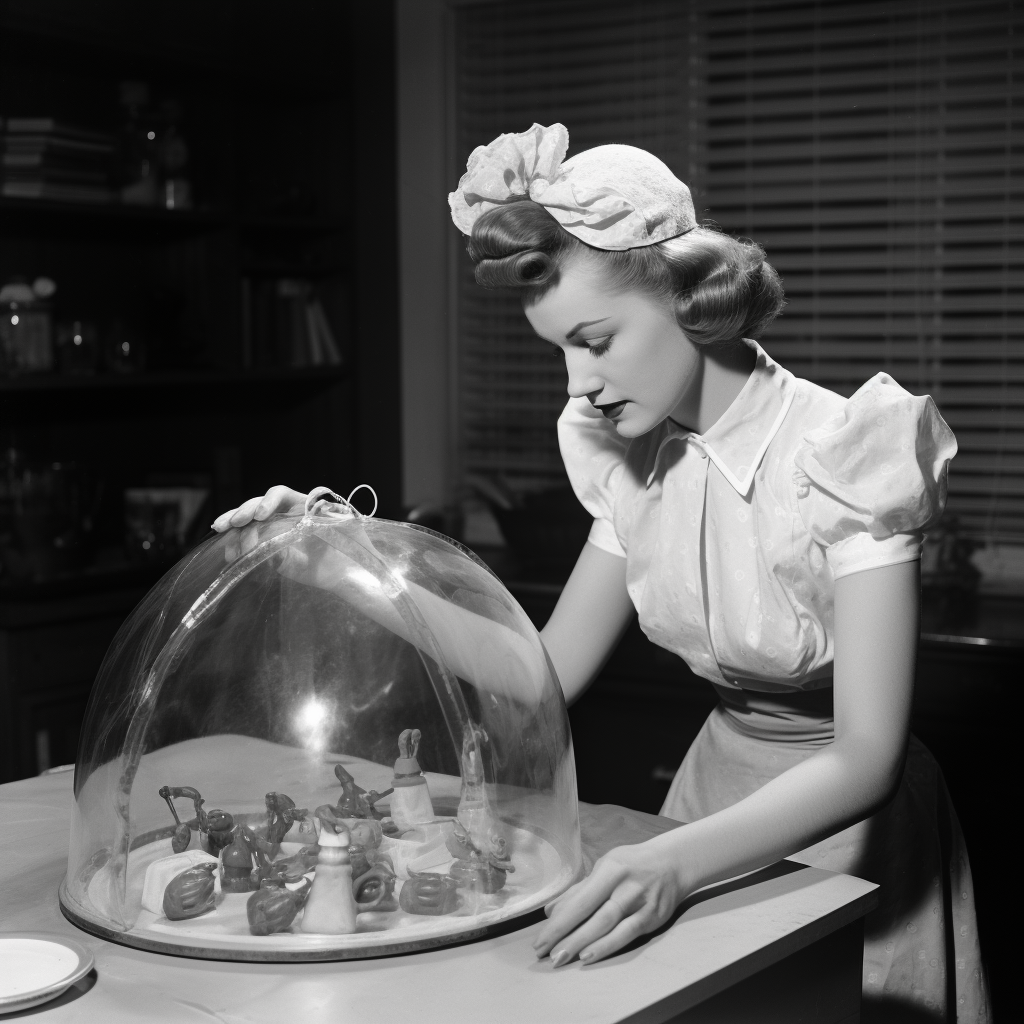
(722, 289)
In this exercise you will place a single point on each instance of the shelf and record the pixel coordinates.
(48, 398)
(54, 383)
(63, 218)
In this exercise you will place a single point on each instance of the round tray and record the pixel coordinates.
(223, 934)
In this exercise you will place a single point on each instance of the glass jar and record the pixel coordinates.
(26, 330)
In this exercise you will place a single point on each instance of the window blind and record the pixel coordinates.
(874, 149)
(610, 72)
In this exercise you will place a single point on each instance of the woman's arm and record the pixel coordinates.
(634, 889)
(590, 617)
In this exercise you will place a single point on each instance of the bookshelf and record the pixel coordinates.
(279, 114)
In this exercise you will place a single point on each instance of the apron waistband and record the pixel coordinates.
(797, 716)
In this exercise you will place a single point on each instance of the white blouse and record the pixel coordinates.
(734, 538)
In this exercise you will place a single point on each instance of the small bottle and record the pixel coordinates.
(331, 907)
(410, 801)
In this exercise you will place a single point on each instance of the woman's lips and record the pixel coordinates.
(611, 410)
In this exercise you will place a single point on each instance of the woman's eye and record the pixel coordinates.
(557, 352)
(599, 348)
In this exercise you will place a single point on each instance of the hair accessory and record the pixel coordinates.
(610, 197)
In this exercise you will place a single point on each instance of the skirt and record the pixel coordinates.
(922, 958)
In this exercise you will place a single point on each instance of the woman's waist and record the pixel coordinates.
(801, 716)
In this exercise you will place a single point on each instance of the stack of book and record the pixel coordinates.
(284, 324)
(41, 158)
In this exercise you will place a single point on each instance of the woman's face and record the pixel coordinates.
(623, 349)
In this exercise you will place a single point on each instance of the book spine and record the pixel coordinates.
(316, 352)
(246, 324)
(331, 351)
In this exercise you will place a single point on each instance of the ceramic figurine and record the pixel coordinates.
(190, 893)
(331, 907)
(493, 847)
(374, 889)
(410, 799)
(365, 832)
(429, 894)
(182, 833)
(273, 908)
(475, 814)
(219, 830)
(291, 869)
(355, 802)
(360, 858)
(162, 871)
(215, 825)
(478, 875)
(282, 814)
(236, 867)
(183, 830)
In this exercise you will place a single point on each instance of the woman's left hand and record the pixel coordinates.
(631, 891)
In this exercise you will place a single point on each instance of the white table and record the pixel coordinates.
(781, 945)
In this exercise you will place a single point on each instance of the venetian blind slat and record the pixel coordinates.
(875, 150)
(610, 72)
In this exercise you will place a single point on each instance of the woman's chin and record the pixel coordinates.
(634, 426)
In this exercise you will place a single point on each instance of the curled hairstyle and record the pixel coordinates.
(721, 289)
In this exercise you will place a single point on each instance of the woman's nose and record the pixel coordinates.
(582, 378)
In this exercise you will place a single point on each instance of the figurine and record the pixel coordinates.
(216, 825)
(190, 893)
(354, 801)
(291, 869)
(429, 894)
(366, 832)
(282, 814)
(493, 848)
(219, 830)
(478, 875)
(161, 872)
(374, 889)
(475, 868)
(331, 907)
(182, 833)
(272, 908)
(474, 813)
(236, 866)
(410, 800)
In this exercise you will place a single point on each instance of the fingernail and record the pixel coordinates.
(560, 958)
(586, 957)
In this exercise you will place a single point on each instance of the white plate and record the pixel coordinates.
(36, 967)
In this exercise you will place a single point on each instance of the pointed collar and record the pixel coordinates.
(737, 441)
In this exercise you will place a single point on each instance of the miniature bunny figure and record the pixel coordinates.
(410, 801)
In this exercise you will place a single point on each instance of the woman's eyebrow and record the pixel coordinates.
(584, 323)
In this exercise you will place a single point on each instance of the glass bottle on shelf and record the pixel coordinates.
(26, 326)
(140, 184)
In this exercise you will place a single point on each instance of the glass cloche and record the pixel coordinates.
(321, 736)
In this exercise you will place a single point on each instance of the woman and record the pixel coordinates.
(765, 530)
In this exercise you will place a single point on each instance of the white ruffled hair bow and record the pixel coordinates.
(610, 197)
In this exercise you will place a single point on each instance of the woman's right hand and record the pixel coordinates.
(277, 499)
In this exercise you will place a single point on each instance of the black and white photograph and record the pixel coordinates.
(511, 511)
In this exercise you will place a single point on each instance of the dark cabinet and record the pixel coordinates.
(50, 649)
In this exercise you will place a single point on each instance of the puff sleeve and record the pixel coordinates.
(873, 477)
(594, 457)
